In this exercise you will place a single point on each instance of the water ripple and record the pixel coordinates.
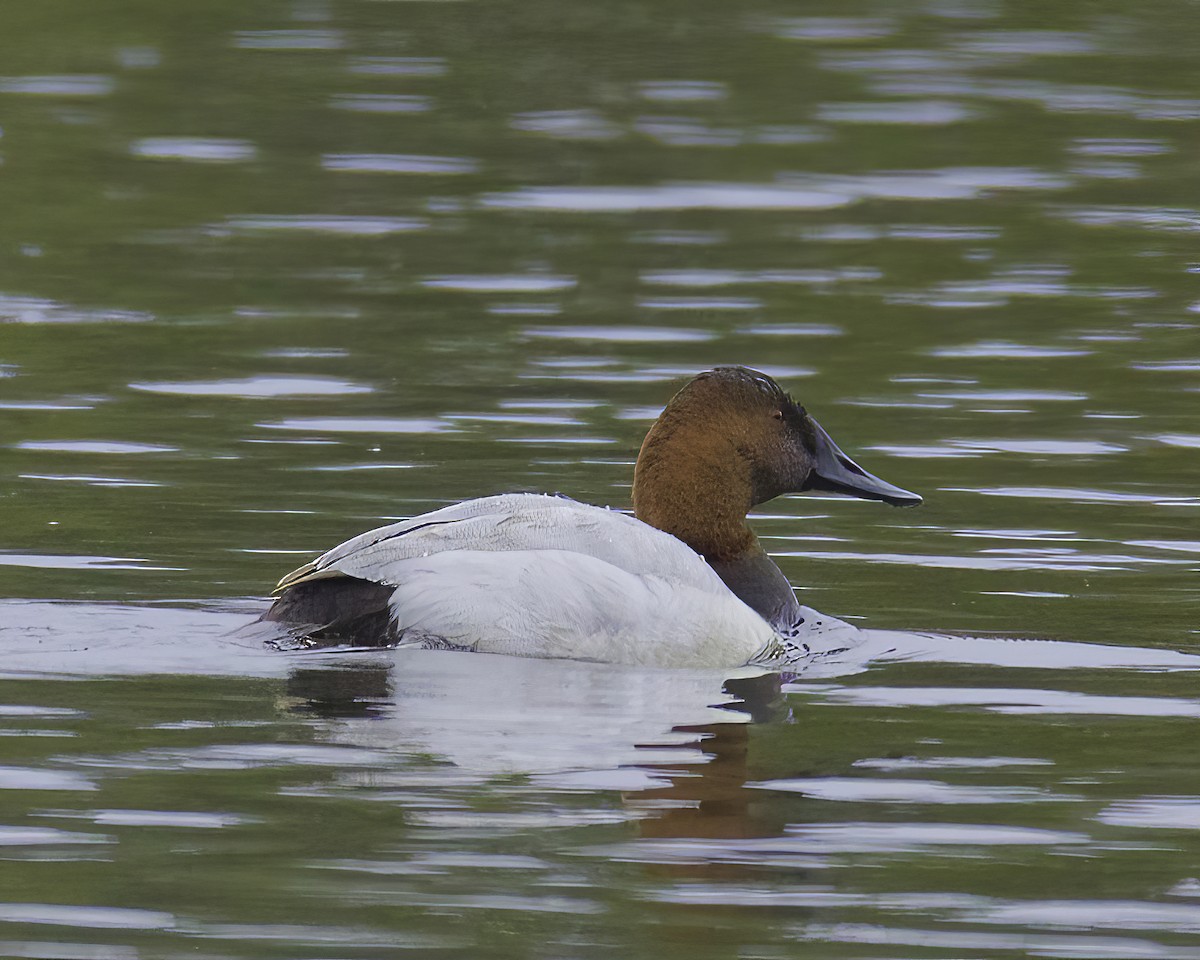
(567, 124)
(64, 915)
(380, 103)
(1158, 813)
(1079, 495)
(257, 387)
(153, 818)
(356, 226)
(34, 778)
(93, 446)
(39, 836)
(397, 163)
(67, 85)
(1018, 560)
(18, 309)
(798, 193)
(195, 149)
(1004, 349)
(359, 425)
(866, 790)
(921, 113)
(725, 278)
(289, 40)
(621, 334)
(953, 448)
(682, 91)
(76, 561)
(501, 282)
(398, 66)
(823, 29)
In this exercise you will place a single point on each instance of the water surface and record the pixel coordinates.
(276, 272)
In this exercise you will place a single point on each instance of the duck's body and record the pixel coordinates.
(540, 576)
(684, 583)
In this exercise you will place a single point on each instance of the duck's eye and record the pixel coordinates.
(778, 415)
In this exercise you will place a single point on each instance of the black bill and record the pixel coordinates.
(834, 472)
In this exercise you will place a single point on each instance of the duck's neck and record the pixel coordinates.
(702, 497)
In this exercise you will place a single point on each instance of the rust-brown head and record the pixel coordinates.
(731, 439)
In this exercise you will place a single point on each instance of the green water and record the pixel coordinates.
(271, 273)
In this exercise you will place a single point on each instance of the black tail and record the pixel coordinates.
(335, 610)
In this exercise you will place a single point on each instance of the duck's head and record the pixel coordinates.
(731, 439)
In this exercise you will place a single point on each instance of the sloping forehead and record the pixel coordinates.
(744, 378)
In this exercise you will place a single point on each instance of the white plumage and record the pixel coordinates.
(540, 576)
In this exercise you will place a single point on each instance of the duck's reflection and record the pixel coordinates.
(341, 693)
(686, 737)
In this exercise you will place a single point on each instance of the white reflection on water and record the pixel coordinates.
(82, 916)
(997, 291)
(1092, 914)
(398, 66)
(80, 403)
(621, 334)
(866, 790)
(832, 28)
(969, 448)
(1183, 546)
(397, 163)
(76, 562)
(922, 113)
(1165, 219)
(811, 844)
(197, 149)
(809, 192)
(528, 418)
(380, 103)
(360, 425)
(699, 303)
(187, 819)
(524, 309)
(697, 277)
(1120, 147)
(20, 309)
(257, 387)
(91, 481)
(36, 778)
(362, 226)
(1005, 349)
(679, 91)
(716, 196)
(686, 132)
(93, 446)
(1039, 43)
(39, 836)
(972, 942)
(1006, 396)
(1018, 701)
(791, 330)
(501, 282)
(1078, 495)
(67, 85)
(289, 40)
(1077, 562)
(949, 763)
(1168, 366)
(1159, 813)
(567, 124)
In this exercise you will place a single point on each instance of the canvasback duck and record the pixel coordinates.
(683, 582)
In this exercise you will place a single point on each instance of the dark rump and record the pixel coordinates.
(335, 610)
